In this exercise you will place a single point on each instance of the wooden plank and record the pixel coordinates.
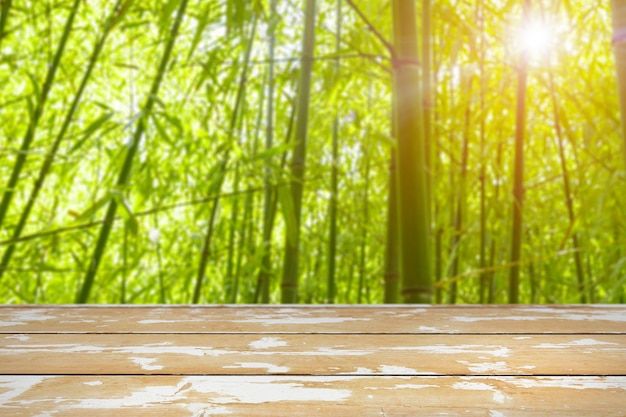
(194, 396)
(315, 319)
(324, 354)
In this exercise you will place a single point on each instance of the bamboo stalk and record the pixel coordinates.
(5, 9)
(483, 279)
(492, 250)
(125, 172)
(365, 225)
(263, 280)
(428, 93)
(334, 176)
(290, 269)
(518, 175)
(37, 114)
(50, 156)
(461, 197)
(265, 270)
(392, 276)
(580, 274)
(413, 200)
(619, 50)
(233, 223)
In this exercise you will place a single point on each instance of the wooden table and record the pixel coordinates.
(313, 361)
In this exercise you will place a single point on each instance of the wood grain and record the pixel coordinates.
(354, 361)
(315, 319)
(312, 396)
(313, 354)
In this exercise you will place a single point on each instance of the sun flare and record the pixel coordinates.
(536, 38)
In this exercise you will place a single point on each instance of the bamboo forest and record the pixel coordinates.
(312, 151)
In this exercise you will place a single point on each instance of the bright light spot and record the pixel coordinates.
(537, 38)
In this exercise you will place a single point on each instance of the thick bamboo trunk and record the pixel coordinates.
(290, 269)
(334, 180)
(263, 284)
(412, 192)
(518, 174)
(619, 49)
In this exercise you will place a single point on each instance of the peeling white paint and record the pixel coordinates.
(479, 386)
(362, 371)
(12, 387)
(499, 366)
(522, 338)
(267, 342)
(274, 369)
(415, 386)
(152, 321)
(494, 413)
(577, 315)
(77, 321)
(202, 410)
(337, 352)
(93, 383)
(20, 337)
(263, 390)
(146, 363)
(429, 329)
(580, 342)
(578, 383)
(396, 370)
(22, 317)
(148, 349)
(466, 319)
(496, 351)
(299, 320)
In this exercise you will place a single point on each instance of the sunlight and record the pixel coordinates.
(536, 38)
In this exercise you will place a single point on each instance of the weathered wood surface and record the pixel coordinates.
(313, 361)
(311, 396)
(313, 354)
(314, 319)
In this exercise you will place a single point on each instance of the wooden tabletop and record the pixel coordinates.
(313, 360)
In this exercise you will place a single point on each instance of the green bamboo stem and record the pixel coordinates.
(290, 269)
(483, 278)
(263, 280)
(51, 155)
(125, 173)
(221, 170)
(233, 223)
(461, 197)
(518, 174)
(334, 176)
(265, 270)
(5, 9)
(492, 250)
(580, 273)
(37, 114)
(428, 93)
(413, 200)
(619, 50)
(365, 225)
(392, 275)
(247, 238)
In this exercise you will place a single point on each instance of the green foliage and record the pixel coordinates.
(74, 96)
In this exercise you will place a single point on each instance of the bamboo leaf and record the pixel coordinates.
(90, 130)
(127, 212)
(95, 207)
